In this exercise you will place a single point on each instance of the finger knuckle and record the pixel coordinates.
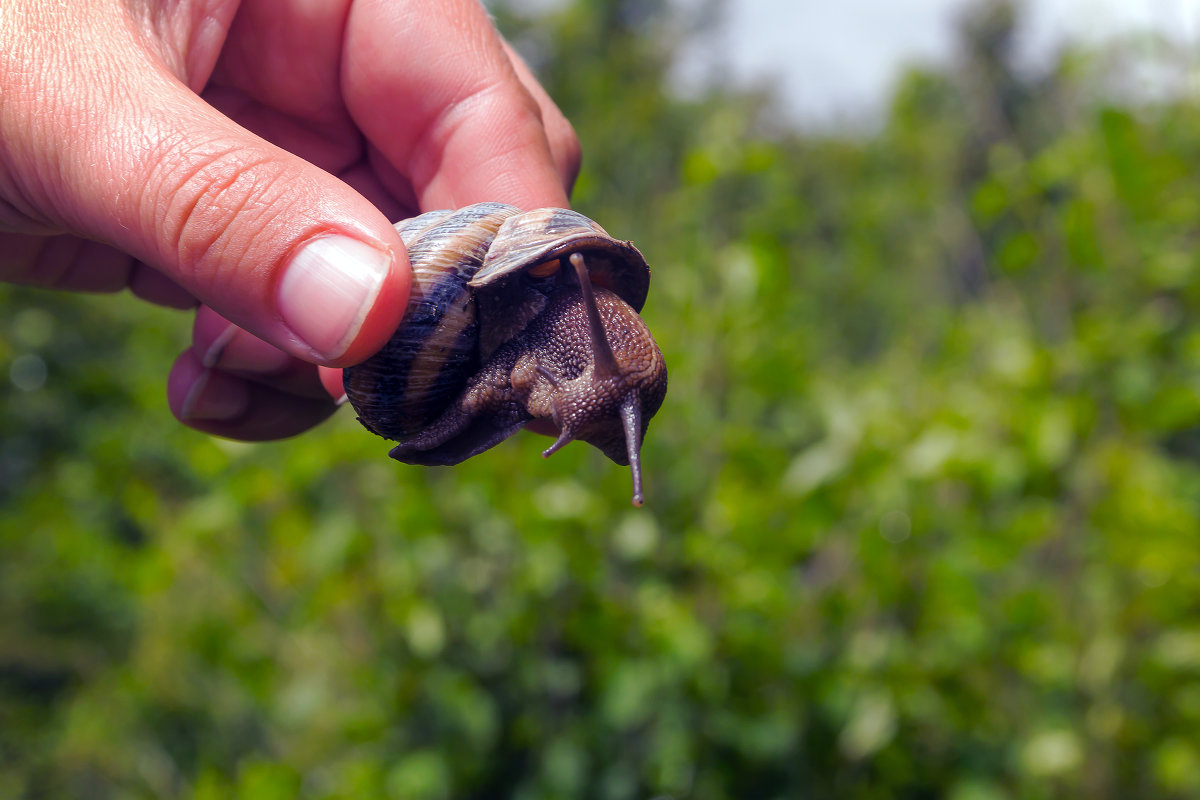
(210, 200)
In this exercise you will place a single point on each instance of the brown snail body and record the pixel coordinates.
(514, 316)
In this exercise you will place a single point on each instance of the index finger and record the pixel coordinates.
(433, 88)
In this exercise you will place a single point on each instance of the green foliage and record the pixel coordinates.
(922, 514)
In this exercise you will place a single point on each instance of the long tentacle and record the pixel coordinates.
(605, 361)
(631, 418)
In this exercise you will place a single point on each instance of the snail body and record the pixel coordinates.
(514, 316)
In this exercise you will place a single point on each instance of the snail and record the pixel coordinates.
(514, 316)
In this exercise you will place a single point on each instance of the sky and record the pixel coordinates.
(836, 60)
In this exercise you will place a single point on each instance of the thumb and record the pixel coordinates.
(277, 246)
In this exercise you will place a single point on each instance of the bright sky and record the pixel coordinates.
(838, 59)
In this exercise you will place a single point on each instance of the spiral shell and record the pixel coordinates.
(514, 316)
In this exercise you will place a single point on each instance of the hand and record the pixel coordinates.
(246, 157)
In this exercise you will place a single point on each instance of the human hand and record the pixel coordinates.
(246, 157)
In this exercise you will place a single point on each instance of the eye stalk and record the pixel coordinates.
(602, 354)
(631, 419)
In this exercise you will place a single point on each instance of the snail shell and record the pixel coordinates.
(514, 316)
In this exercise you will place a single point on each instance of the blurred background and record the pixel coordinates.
(923, 498)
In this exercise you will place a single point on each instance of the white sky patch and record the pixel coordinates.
(836, 62)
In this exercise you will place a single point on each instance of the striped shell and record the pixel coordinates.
(514, 316)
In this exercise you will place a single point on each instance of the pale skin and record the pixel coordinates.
(192, 151)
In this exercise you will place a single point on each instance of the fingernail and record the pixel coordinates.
(213, 397)
(245, 353)
(213, 354)
(327, 290)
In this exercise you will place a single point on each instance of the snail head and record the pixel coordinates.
(594, 370)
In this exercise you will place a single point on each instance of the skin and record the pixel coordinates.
(188, 151)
